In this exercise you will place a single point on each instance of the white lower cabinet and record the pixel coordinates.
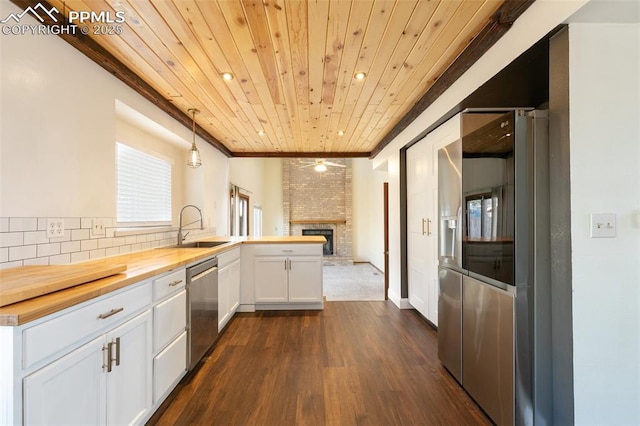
(105, 381)
(169, 366)
(289, 276)
(228, 286)
(169, 333)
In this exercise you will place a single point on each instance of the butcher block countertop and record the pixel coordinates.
(139, 266)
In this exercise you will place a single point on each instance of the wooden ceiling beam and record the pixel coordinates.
(303, 154)
(499, 24)
(111, 64)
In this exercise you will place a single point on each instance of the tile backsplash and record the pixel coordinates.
(24, 240)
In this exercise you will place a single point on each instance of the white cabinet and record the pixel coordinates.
(228, 286)
(105, 381)
(422, 216)
(288, 276)
(169, 332)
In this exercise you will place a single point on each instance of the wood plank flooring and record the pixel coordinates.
(355, 363)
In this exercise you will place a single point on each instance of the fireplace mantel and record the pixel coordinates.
(314, 221)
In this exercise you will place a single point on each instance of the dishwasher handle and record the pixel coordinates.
(204, 273)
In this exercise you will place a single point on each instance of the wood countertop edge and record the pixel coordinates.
(140, 266)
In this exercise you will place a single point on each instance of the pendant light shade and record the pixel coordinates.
(194, 160)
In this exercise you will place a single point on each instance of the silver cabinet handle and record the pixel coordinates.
(423, 222)
(110, 313)
(109, 359)
(176, 282)
(285, 264)
(287, 251)
(428, 226)
(289, 264)
(117, 351)
(105, 356)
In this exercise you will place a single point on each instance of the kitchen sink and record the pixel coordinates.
(199, 244)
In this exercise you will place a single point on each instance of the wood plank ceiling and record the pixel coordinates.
(293, 63)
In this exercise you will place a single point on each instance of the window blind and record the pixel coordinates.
(143, 186)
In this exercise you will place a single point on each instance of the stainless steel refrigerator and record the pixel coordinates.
(493, 323)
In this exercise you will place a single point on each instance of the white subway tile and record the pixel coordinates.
(86, 222)
(131, 239)
(11, 264)
(110, 232)
(36, 261)
(4, 255)
(4, 224)
(22, 252)
(23, 224)
(125, 249)
(70, 246)
(65, 237)
(151, 237)
(79, 234)
(72, 223)
(48, 249)
(88, 245)
(155, 244)
(136, 247)
(145, 246)
(11, 239)
(79, 256)
(61, 259)
(141, 238)
(95, 254)
(105, 242)
(112, 251)
(35, 237)
(119, 241)
(42, 224)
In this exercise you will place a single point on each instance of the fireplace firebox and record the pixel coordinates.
(327, 248)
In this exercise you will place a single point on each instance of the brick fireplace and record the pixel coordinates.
(316, 201)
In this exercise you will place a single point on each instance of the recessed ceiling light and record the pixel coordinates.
(341, 132)
(227, 76)
(359, 75)
(260, 132)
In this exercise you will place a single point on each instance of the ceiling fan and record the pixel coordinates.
(321, 165)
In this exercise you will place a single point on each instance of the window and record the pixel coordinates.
(143, 187)
(480, 209)
(239, 214)
(257, 221)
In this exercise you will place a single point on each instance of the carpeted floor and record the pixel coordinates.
(352, 282)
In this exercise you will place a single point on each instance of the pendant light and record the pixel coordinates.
(194, 154)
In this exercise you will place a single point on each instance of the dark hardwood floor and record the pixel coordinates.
(355, 363)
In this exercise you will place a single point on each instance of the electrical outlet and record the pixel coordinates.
(98, 227)
(55, 228)
(603, 225)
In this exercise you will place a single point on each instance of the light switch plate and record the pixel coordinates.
(55, 228)
(98, 227)
(603, 225)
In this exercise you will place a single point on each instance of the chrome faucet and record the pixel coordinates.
(180, 236)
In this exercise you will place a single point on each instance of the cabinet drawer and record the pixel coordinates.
(288, 250)
(169, 319)
(168, 284)
(50, 337)
(228, 257)
(169, 365)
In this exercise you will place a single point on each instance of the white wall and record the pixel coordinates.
(604, 90)
(58, 133)
(368, 213)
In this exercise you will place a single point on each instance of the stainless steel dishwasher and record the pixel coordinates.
(202, 321)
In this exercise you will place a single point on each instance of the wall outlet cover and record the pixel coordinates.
(98, 227)
(55, 228)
